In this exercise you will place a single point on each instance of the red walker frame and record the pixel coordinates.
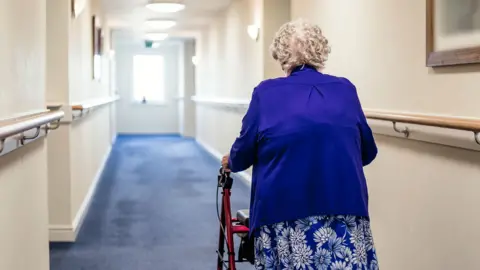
(228, 225)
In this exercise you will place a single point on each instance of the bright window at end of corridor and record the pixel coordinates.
(148, 79)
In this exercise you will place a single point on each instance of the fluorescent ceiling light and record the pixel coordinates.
(156, 36)
(165, 7)
(160, 24)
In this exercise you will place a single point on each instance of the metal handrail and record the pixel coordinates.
(18, 125)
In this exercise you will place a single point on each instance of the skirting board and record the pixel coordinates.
(68, 233)
(244, 176)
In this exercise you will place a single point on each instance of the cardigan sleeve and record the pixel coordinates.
(367, 141)
(243, 151)
(368, 145)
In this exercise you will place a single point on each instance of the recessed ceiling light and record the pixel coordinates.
(160, 24)
(165, 6)
(156, 36)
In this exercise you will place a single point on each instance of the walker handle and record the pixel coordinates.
(224, 179)
(224, 172)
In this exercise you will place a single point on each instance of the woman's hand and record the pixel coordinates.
(225, 162)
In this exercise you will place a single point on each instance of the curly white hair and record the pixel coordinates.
(300, 43)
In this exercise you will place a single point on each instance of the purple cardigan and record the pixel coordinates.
(308, 139)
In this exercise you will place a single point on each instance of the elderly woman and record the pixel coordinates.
(307, 138)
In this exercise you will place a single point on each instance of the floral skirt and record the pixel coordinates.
(317, 242)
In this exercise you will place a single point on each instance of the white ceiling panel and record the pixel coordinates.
(132, 14)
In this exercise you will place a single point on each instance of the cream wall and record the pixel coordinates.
(76, 159)
(231, 64)
(276, 13)
(423, 196)
(186, 107)
(23, 173)
(225, 51)
(90, 145)
(57, 50)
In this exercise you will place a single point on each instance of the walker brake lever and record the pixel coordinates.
(224, 178)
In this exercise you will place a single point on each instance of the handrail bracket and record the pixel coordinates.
(24, 138)
(405, 131)
(2, 145)
(54, 126)
(79, 115)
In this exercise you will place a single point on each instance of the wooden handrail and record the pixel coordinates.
(458, 123)
(426, 120)
(18, 125)
(94, 103)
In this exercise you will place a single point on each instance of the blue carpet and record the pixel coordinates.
(154, 208)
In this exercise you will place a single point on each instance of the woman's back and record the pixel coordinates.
(312, 142)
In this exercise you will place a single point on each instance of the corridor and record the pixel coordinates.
(356, 123)
(154, 208)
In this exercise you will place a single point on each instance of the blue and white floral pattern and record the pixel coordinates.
(318, 242)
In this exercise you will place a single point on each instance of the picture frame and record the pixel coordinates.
(460, 45)
(77, 7)
(97, 48)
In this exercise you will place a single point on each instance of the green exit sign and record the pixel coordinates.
(148, 44)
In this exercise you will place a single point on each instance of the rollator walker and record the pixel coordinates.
(230, 226)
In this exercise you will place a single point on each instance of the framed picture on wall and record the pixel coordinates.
(97, 48)
(453, 32)
(77, 7)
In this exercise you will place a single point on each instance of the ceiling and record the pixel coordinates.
(132, 14)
